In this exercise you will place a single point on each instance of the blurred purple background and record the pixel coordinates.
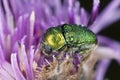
(113, 31)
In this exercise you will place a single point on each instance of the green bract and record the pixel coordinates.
(68, 38)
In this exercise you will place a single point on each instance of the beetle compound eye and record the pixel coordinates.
(45, 48)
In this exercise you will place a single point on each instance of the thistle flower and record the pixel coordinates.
(22, 24)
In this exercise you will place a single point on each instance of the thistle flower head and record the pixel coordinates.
(22, 25)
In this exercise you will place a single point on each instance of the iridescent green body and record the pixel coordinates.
(68, 38)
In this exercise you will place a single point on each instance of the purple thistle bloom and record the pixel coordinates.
(22, 24)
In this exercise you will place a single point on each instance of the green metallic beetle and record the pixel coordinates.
(68, 38)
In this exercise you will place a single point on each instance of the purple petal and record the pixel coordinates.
(77, 13)
(30, 58)
(2, 35)
(5, 76)
(32, 22)
(107, 53)
(110, 14)
(24, 60)
(84, 17)
(25, 27)
(14, 63)
(71, 4)
(2, 58)
(113, 45)
(101, 69)
(6, 71)
(9, 16)
(18, 8)
(2, 42)
(96, 4)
